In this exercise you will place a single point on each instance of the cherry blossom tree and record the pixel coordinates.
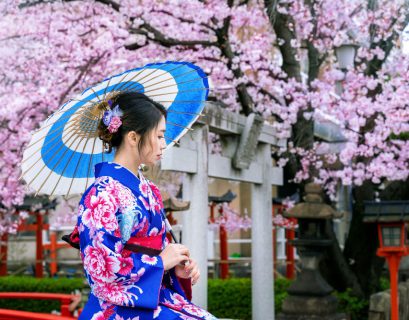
(229, 218)
(371, 112)
(273, 57)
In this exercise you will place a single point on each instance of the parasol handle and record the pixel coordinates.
(169, 227)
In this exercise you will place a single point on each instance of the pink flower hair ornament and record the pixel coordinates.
(112, 118)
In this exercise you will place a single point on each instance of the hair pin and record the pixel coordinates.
(112, 118)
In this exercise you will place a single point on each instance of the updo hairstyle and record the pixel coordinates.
(140, 114)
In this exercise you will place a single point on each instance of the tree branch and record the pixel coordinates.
(314, 61)
(265, 92)
(184, 19)
(134, 46)
(111, 3)
(222, 35)
(170, 42)
(280, 24)
(374, 65)
(303, 129)
(84, 70)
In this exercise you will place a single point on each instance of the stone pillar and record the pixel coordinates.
(262, 241)
(195, 190)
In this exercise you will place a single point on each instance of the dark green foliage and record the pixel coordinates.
(401, 136)
(280, 292)
(356, 307)
(28, 284)
(227, 298)
(232, 298)
(384, 284)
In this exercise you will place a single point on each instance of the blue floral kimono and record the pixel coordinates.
(117, 210)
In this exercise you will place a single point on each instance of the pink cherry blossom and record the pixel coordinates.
(230, 219)
(282, 222)
(62, 47)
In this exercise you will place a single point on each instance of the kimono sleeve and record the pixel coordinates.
(131, 279)
(180, 285)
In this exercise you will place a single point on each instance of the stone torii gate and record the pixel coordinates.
(246, 157)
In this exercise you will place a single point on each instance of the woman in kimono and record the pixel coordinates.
(132, 271)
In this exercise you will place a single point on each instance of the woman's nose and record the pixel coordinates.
(163, 146)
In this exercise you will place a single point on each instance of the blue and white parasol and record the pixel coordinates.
(62, 153)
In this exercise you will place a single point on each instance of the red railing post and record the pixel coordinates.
(393, 262)
(3, 255)
(39, 246)
(289, 252)
(224, 255)
(53, 253)
(212, 205)
(66, 307)
(277, 209)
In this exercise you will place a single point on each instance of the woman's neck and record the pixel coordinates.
(127, 162)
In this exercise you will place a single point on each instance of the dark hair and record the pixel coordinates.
(140, 114)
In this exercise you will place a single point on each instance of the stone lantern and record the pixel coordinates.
(310, 295)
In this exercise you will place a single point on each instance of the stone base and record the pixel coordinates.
(310, 305)
(337, 316)
(310, 308)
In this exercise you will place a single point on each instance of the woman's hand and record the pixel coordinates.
(190, 270)
(174, 254)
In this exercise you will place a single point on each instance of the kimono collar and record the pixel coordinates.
(119, 173)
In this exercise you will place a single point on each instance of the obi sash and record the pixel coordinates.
(146, 245)
(150, 246)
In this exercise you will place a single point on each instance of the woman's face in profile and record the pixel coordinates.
(153, 149)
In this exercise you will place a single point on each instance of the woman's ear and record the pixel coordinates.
(132, 138)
